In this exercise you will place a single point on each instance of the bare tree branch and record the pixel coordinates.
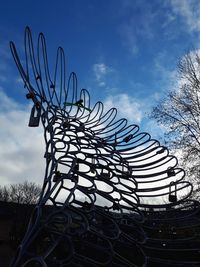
(21, 193)
(179, 112)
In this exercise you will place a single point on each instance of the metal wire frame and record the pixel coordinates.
(173, 236)
(101, 173)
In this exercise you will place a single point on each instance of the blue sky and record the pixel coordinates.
(124, 52)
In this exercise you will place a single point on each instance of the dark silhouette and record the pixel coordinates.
(21, 193)
(102, 177)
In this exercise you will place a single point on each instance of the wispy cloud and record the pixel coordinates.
(136, 24)
(101, 70)
(164, 71)
(189, 10)
(143, 22)
(6, 61)
(129, 38)
(127, 106)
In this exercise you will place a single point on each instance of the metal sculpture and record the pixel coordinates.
(101, 174)
(173, 236)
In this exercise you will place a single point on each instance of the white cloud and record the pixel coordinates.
(21, 147)
(189, 10)
(127, 107)
(101, 70)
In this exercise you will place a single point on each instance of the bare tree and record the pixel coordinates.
(4, 194)
(21, 193)
(179, 113)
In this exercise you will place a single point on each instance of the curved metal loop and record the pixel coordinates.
(101, 173)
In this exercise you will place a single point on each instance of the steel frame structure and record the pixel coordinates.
(102, 175)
